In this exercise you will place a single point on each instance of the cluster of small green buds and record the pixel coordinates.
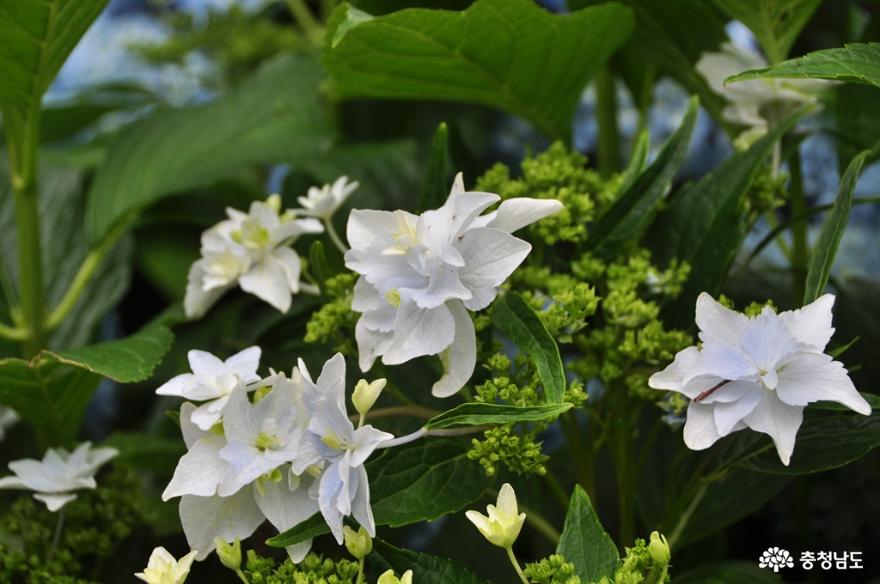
(366, 393)
(552, 570)
(389, 578)
(358, 543)
(504, 521)
(645, 563)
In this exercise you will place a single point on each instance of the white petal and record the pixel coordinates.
(718, 324)
(328, 493)
(700, 431)
(778, 420)
(724, 361)
(204, 364)
(460, 358)
(178, 385)
(810, 377)
(673, 377)
(54, 502)
(490, 255)
(514, 214)
(288, 262)
(245, 364)
(729, 414)
(268, 283)
(766, 340)
(371, 344)
(206, 518)
(360, 505)
(191, 433)
(12, 482)
(197, 301)
(811, 324)
(298, 551)
(208, 414)
(368, 227)
(410, 338)
(199, 471)
(366, 439)
(283, 507)
(331, 382)
(366, 297)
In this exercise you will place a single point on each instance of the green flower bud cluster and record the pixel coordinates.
(552, 570)
(556, 173)
(335, 321)
(644, 563)
(767, 192)
(96, 523)
(314, 569)
(519, 452)
(755, 308)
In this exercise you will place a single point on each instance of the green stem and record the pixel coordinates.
(685, 517)
(360, 575)
(86, 270)
(56, 537)
(623, 467)
(799, 248)
(23, 142)
(540, 523)
(12, 333)
(310, 26)
(557, 490)
(334, 237)
(606, 117)
(515, 564)
(242, 577)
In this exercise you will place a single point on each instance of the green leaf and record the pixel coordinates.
(637, 161)
(476, 414)
(631, 213)
(318, 266)
(516, 319)
(126, 360)
(38, 35)
(858, 125)
(49, 395)
(427, 569)
(855, 63)
(776, 23)
(436, 187)
(584, 542)
(729, 573)
(822, 258)
(416, 482)
(704, 224)
(509, 54)
(276, 116)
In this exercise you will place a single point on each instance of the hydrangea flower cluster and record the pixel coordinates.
(282, 456)
(425, 272)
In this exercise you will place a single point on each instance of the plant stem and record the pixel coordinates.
(360, 575)
(606, 118)
(56, 537)
(799, 248)
(23, 142)
(12, 333)
(334, 237)
(515, 564)
(536, 520)
(688, 512)
(307, 22)
(556, 489)
(242, 577)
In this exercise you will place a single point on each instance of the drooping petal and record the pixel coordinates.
(729, 414)
(460, 358)
(778, 420)
(285, 508)
(199, 471)
(811, 324)
(410, 338)
(490, 255)
(360, 505)
(191, 433)
(514, 214)
(206, 518)
(197, 301)
(267, 283)
(805, 378)
(55, 502)
(700, 431)
(718, 324)
(330, 486)
(288, 262)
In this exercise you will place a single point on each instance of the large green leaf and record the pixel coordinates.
(729, 573)
(411, 483)
(516, 319)
(52, 390)
(704, 225)
(631, 213)
(509, 54)
(584, 542)
(275, 117)
(427, 569)
(822, 258)
(856, 63)
(38, 35)
(857, 122)
(776, 23)
(475, 414)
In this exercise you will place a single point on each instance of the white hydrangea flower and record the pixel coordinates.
(344, 488)
(163, 568)
(504, 521)
(55, 478)
(752, 103)
(757, 373)
(323, 202)
(212, 381)
(8, 418)
(420, 274)
(252, 250)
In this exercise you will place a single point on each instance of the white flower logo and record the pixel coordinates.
(776, 559)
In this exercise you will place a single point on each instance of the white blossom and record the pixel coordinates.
(163, 568)
(757, 373)
(420, 274)
(212, 381)
(504, 521)
(324, 201)
(55, 478)
(756, 103)
(8, 418)
(252, 250)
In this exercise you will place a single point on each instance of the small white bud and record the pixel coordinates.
(365, 394)
(504, 522)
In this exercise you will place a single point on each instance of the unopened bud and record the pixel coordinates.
(389, 578)
(229, 553)
(365, 394)
(659, 549)
(358, 543)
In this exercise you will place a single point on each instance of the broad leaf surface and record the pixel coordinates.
(584, 541)
(427, 569)
(775, 23)
(856, 63)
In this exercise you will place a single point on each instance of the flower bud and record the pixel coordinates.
(365, 394)
(357, 542)
(389, 578)
(163, 568)
(659, 549)
(503, 524)
(229, 553)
